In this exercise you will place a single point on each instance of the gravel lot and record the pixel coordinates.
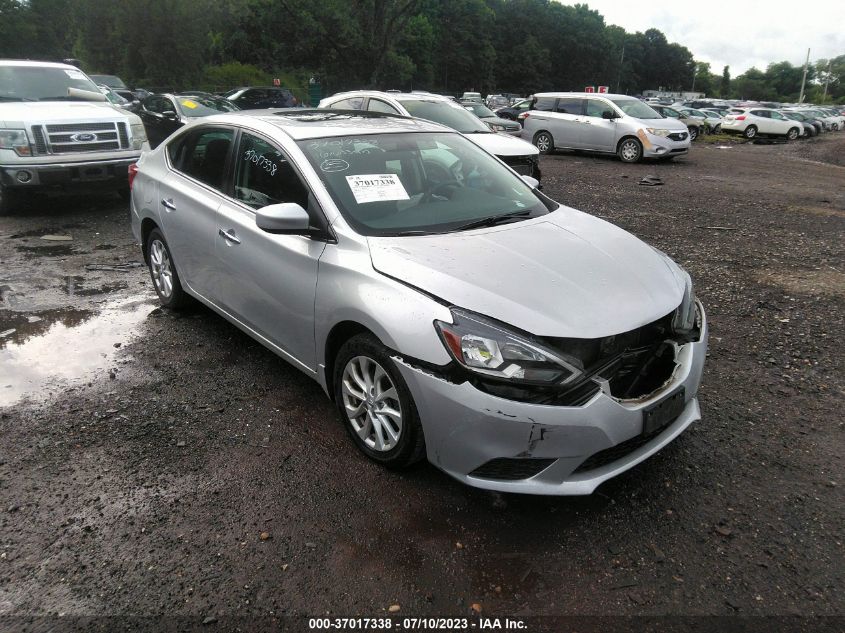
(166, 465)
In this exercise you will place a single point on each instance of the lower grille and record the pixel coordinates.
(511, 469)
(679, 136)
(623, 449)
(523, 165)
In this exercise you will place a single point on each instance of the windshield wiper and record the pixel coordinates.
(493, 220)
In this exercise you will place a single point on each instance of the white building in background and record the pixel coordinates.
(668, 94)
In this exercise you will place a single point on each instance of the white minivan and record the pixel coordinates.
(609, 123)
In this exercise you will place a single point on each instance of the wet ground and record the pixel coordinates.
(167, 465)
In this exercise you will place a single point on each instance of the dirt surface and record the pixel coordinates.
(156, 464)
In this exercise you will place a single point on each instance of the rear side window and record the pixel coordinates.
(545, 104)
(353, 103)
(570, 106)
(761, 113)
(202, 155)
(264, 175)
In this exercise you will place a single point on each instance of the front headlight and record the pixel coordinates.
(685, 315)
(486, 347)
(658, 131)
(139, 135)
(496, 127)
(16, 140)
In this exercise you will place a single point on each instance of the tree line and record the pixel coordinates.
(448, 46)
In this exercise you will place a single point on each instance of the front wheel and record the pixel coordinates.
(544, 142)
(630, 150)
(166, 281)
(750, 132)
(693, 132)
(792, 134)
(376, 405)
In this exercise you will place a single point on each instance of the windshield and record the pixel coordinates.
(396, 184)
(197, 106)
(479, 110)
(41, 83)
(441, 112)
(636, 108)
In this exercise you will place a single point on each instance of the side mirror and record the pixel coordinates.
(608, 114)
(531, 182)
(287, 218)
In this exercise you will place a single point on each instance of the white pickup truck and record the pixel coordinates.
(58, 131)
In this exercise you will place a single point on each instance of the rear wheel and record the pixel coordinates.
(544, 142)
(376, 405)
(750, 131)
(630, 150)
(166, 281)
(792, 134)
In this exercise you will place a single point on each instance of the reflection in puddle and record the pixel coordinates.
(73, 286)
(38, 358)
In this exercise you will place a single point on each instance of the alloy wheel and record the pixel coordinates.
(161, 268)
(371, 403)
(543, 142)
(629, 151)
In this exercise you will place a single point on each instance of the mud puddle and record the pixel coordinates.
(40, 355)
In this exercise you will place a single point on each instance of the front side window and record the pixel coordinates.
(202, 155)
(639, 110)
(418, 183)
(264, 175)
(596, 108)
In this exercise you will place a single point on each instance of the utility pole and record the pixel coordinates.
(826, 82)
(621, 61)
(804, 78)
(694, 73)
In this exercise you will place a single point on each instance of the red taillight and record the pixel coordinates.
(133, 171)
(741, 117)
(522, 115)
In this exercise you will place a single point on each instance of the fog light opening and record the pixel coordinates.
(23, 176)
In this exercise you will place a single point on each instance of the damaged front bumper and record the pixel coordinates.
(499, 444)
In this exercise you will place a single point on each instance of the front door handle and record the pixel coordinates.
(229, 237)
(168, 203)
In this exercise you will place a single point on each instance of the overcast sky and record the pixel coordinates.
(736, 33)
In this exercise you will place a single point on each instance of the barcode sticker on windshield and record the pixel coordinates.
(75, 74)
(376, 188)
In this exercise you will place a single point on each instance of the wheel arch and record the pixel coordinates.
(147, 227)
(337, 336)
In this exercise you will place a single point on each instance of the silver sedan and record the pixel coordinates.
(448, 308)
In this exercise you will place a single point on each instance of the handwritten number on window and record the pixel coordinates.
(262, 161)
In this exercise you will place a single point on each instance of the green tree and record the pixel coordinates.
(725, 85)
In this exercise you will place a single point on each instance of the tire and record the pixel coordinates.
(630, 150)
(717, 129)
(792, 134)
(163, 273)
(363, 367)
(750, 132)
(693, 132)
(7, 200)
(544, 142)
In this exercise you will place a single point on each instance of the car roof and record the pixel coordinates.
(398, 96)
(606, 95)
(29, 62)
(302, 123)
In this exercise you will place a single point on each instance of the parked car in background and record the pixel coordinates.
(118, 86)
(608, 123)
(118, 100)
(754, 122)
(522, 157)
(59, 132)
(694, 125)
(472, 96)
(712, 121)
(250, 98)
(809, 127)
(496, 123)
(496, 101)
(513, 111)
(454, 320)
(163, 114)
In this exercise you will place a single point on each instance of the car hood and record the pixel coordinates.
(667, 123)
(565, 274)
(17, 113)
(503, 144)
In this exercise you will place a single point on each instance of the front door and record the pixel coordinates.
(268, 281)
(598, 133)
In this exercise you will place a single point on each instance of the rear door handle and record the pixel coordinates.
(229, 237)
(168, 203)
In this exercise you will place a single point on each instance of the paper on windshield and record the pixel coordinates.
(376, 188)
(75, 74)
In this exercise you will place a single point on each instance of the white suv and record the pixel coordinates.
(754, 122)
(57, 130)
(520, 156)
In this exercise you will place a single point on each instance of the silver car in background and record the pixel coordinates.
(608, 123)
(450, 309)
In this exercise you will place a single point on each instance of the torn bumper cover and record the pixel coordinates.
(499, 444)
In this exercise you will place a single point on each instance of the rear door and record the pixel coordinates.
(268, 281)
(189, 196)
